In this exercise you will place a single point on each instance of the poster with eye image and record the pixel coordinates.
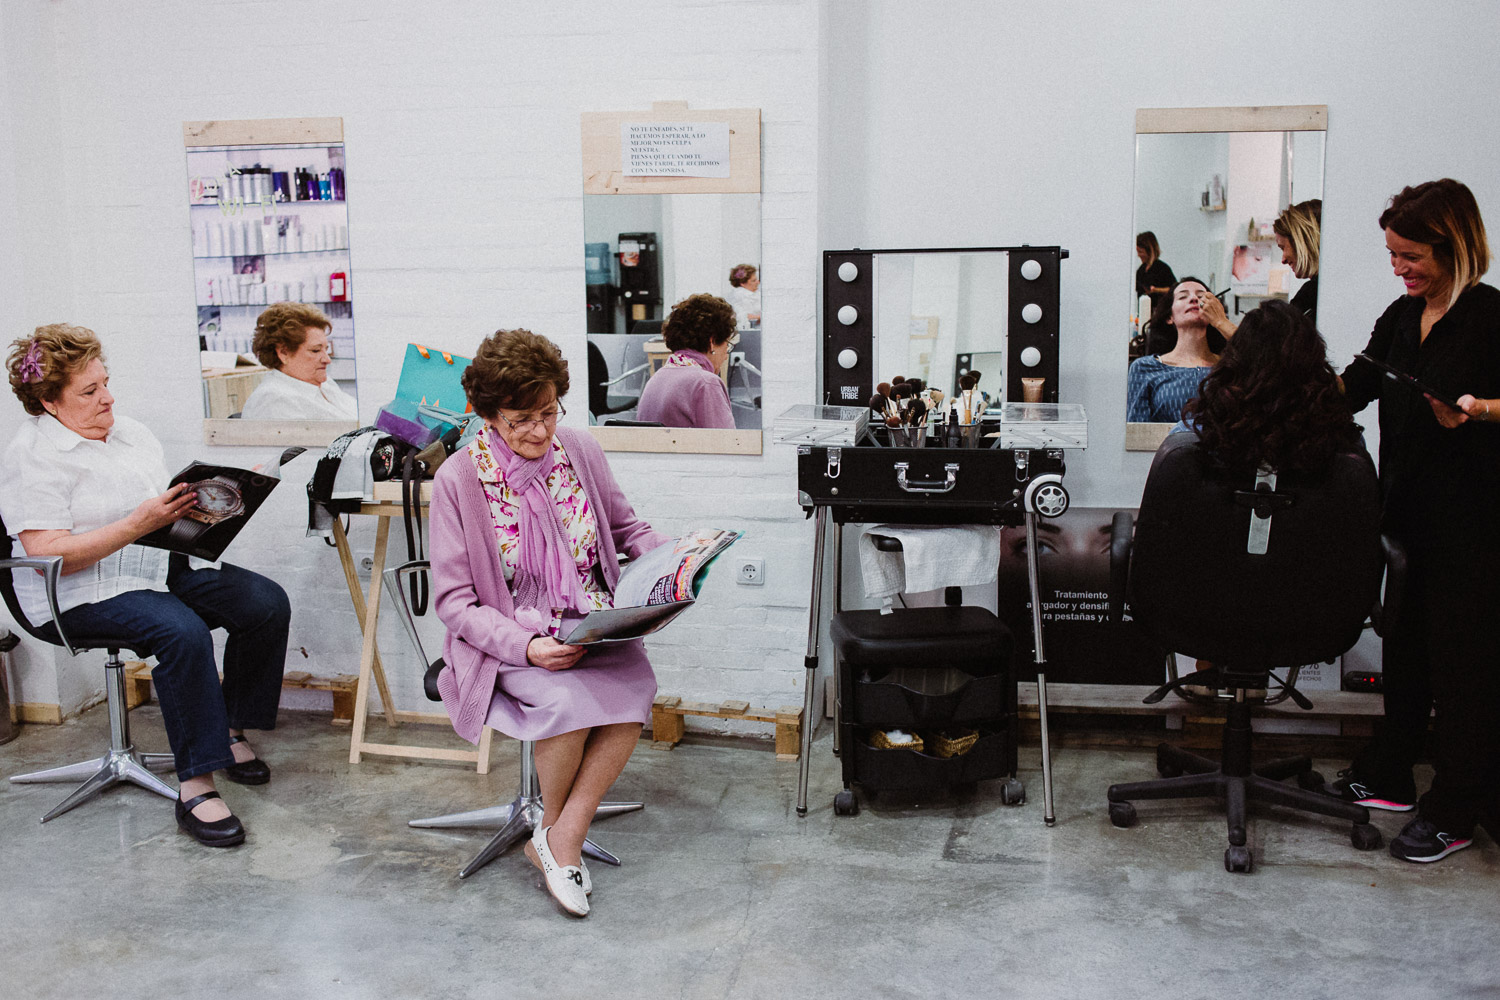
(1083, 645)
(227, 498)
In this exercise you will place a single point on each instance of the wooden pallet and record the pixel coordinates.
(669, 711)
(138, 688)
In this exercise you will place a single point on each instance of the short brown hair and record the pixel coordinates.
(698, 322)
(1301, 226)
(1444, 215)
(63, 350)
(285, 325)
(741, 273)
(512, 369)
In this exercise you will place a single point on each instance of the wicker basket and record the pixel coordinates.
(879, 741)
(953, 743)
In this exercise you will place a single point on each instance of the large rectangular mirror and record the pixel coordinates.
(270, 230)
(671, 209)
(642, 254)
(1231, 197)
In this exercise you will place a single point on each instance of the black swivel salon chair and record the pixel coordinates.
(1254, 574)
(121, 762)
(522, 815)
(600, 382)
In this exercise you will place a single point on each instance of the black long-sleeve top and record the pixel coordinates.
(1306, 299)
(1437, 481)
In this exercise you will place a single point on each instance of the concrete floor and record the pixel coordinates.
(724, 892)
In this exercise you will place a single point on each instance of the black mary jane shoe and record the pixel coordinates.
(251, 772)
(220, 833)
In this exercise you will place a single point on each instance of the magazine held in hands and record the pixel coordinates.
(654, 588)
(226, 498)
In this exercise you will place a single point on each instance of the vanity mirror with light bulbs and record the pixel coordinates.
(939, 314)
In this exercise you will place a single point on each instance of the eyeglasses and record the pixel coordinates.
(548, 420)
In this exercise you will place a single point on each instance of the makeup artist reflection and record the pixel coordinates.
(291, 339)
(686, 391)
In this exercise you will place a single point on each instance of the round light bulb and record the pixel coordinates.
(848, 358)
(848, 271)
(848, 314)
(1031, 357)
(1031, 312)
(1031, 270)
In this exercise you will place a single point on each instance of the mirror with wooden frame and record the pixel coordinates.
(671, 209)
(1217, 191)
(270, 231)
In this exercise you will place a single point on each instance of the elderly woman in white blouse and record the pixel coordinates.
(81, 482)
(291, 339)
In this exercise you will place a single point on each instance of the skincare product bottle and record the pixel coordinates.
(338, 287)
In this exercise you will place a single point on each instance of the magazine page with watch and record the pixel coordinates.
(227, 497)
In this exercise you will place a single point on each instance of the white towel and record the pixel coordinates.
(931, 556)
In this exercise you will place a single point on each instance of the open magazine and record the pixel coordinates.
(227, 497)
(655, 588)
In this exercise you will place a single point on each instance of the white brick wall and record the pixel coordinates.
(462, 135)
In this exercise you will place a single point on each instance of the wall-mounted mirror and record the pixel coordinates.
(940, 315)
(270, 228)
(642, 254)
(671, 209)
(1210, 187)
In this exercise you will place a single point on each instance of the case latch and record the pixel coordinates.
(835, 460)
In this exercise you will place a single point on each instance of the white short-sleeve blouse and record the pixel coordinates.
(281, 397)
(53, 478)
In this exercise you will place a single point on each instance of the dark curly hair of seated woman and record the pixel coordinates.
(1273, 399)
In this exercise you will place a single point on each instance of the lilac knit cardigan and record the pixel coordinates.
(470, 594)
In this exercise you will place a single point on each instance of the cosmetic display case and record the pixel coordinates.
(935, 316)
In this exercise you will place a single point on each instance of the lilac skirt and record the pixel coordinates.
(612, 683)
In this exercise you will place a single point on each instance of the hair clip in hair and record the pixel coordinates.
(30, 368)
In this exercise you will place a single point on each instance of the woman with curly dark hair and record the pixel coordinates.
(687, 390)
(1273, 399)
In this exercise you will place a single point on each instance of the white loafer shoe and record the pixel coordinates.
(565, 883)
(588, 883)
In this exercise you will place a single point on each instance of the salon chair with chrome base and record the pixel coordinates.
(522, 815)
(1254, 574)
(121, 762)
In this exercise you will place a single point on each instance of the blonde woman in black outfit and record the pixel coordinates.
(1440, 471)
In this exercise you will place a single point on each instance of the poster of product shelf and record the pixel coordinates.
(273, 285)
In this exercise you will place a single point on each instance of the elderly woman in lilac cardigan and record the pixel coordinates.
(527, 524)
(686, 390)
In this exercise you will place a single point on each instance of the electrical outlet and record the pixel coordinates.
(750, 572)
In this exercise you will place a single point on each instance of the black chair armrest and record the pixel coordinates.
(1121, 536)
(51, 570)
(1389, 607)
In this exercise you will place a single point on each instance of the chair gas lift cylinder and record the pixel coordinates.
(951, 450)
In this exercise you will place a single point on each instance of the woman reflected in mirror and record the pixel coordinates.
(1160, 384)
(1298, 232)
(744, 295)
(292, 340)
(687, 391)
(1153, 277)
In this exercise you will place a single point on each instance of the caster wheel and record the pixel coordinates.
(1013, 792)
(1122, 814)
(845, 804)
(1237, 859)
(1311, 781)
(1365, 837)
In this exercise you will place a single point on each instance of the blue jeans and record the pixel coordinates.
(196, 709)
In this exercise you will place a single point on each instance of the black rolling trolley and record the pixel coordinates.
(1006, 472)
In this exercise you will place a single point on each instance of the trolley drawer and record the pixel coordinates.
(889, 704)
(989, 757)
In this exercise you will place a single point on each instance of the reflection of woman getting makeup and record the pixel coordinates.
(1161, 383)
